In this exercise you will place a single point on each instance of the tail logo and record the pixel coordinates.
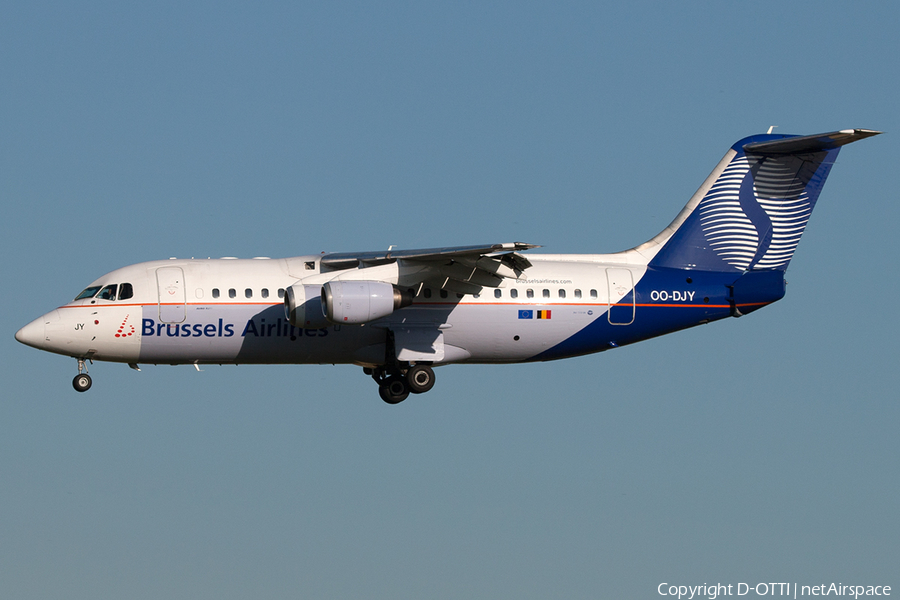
(756, 221)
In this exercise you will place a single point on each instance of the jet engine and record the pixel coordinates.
(355, 302)
(303, 306)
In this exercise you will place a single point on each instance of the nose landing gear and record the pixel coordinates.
(82, 381)
(395, 384)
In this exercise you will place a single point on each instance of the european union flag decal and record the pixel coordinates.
(526, 314)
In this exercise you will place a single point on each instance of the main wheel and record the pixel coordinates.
(420, 379)
(82, 382)
(394, 390)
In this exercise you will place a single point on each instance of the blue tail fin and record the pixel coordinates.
(752, 210)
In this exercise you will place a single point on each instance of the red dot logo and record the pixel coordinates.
(125, 330)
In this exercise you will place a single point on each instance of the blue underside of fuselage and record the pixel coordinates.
(658, 310)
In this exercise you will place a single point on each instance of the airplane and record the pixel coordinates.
(400, 313)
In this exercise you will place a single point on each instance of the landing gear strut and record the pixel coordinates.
(82, 381)
(397, 379)
(396, 383)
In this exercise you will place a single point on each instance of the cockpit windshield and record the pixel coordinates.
(88, 293)
(108, 292)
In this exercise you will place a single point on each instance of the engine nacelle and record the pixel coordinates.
(355, 302)
(303, 306)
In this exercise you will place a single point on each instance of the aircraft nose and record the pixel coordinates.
(33, 333)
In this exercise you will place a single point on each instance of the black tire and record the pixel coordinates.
(82, 382)
(420, 379)
(394, 390)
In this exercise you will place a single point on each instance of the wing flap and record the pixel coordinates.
(460, 287)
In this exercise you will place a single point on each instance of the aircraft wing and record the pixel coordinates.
(462, 269)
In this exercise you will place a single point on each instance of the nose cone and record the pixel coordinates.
(33, 333)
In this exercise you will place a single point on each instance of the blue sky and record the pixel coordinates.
(757, 449)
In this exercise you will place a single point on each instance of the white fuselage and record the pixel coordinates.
(231, 311)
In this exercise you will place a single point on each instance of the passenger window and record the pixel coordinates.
(198, 292)
(593, 293)
(248, 293)
(427, 292)
(578, 293)
(108, 293)
(498, 293)
(215, 292)
(546, 293)
(443, 293)
(264, 292)
(513, 293)
(281, 292)
(476, 295)
(459, 296)
(562, 293)
(126, 291)
(232, 293)
(529, 293)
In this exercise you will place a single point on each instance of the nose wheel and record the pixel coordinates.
(82, 381)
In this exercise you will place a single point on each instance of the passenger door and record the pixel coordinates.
(170, 281)
(621, 311)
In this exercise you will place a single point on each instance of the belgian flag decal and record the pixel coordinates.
(534, 314)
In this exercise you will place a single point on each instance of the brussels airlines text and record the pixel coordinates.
(279, 328)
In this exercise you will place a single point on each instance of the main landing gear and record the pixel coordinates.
(396, 383)
(82, 381)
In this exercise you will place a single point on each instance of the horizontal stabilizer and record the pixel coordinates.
(808, 143)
